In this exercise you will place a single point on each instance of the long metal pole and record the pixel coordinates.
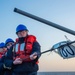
(44, 21)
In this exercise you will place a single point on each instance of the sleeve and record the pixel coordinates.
(36, 48)
(1, 65)
(8, 62)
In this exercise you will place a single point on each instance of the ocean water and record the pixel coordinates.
(56, 73)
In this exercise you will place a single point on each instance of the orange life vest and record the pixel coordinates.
(24, 50)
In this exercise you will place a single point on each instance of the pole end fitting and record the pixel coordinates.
(15, 9)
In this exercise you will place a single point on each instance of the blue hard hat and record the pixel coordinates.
(21, 27)
(2, 45)
(8, 40)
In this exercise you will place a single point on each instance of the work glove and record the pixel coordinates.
(33, 56)
(17, 61)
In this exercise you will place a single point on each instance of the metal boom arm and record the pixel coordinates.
(44, 21)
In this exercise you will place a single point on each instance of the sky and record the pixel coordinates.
(61, 12)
